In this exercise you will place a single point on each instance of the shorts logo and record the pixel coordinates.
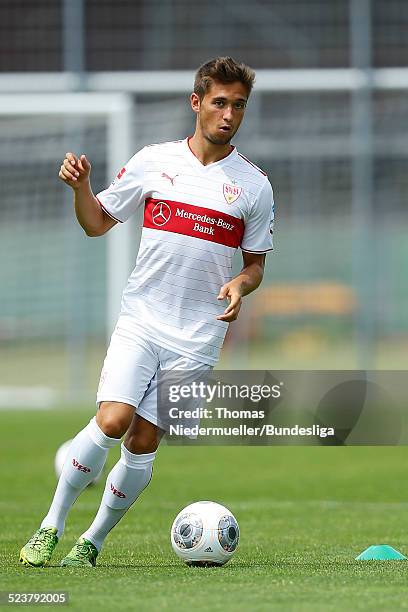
(102, 379)
(121, 173)
(231, 193)
(161, 213)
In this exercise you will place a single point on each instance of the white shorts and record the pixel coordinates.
(130, 372)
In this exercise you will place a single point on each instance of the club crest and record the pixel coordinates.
(231, 193)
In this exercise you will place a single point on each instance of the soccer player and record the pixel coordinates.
(202, 200)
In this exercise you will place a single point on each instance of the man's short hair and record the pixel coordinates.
(223, 70)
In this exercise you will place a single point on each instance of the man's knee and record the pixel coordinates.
(114, 418)
(140, 443)
(142, 437)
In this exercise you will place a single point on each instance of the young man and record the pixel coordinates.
(202, 200)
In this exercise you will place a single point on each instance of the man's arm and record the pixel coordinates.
(75, 172)
(244, 283)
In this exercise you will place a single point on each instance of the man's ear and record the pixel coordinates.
(195, 102)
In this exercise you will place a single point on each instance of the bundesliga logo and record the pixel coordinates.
(121, 173)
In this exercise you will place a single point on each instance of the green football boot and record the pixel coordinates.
(83, 554)
(39, 548)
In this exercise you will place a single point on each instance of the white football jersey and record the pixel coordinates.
(195, 217)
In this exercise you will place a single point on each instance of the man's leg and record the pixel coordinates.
(126, 481)
(85, 459)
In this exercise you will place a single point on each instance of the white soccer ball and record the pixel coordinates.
(205, 534)
(60, 457)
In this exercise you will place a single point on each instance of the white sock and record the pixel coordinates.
(85, 459)
(124, 484)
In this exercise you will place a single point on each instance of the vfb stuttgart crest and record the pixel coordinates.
(231, 192)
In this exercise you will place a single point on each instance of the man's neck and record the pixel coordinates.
(207, 152)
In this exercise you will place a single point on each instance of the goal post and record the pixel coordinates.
(117, 109)
(37, 129)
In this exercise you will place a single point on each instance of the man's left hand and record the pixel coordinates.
(232, 291)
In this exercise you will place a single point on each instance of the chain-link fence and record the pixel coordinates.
(177, 34)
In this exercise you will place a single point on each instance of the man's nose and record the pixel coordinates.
(228, 113)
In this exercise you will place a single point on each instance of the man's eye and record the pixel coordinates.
(219, 103)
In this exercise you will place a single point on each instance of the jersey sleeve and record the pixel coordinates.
(126, 192)
(259, 225)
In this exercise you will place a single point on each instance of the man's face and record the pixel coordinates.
(221, 111)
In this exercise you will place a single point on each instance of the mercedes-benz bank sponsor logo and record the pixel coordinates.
(204, 218)
(161, 213)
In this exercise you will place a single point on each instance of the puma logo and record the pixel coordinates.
(164, 175)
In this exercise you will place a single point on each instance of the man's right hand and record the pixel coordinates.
(75, 171)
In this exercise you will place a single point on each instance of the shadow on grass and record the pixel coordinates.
(327, 565)
(135, 565)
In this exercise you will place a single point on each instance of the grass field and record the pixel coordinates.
(304, 514)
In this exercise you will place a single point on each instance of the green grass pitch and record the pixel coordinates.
(304, 514)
